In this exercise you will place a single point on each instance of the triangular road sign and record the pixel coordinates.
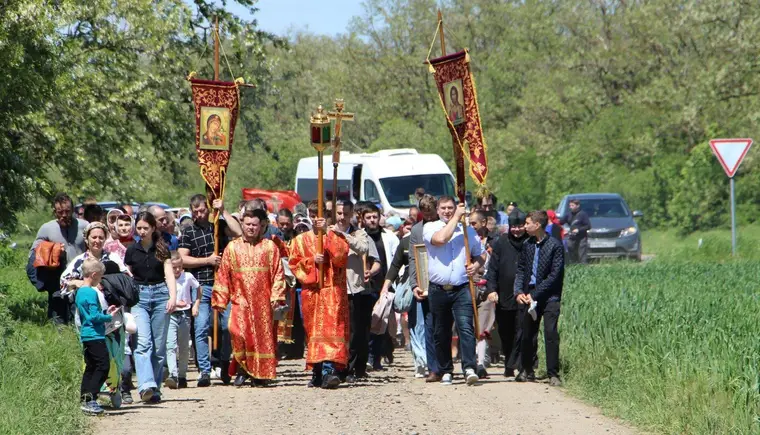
(730, 153)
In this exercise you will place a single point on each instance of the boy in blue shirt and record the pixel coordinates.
(92, 335)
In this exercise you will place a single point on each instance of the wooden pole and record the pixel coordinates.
(216, 48)
(320, 214)
(440, 28)
(461, 194)
(335, 192)
(215, 343)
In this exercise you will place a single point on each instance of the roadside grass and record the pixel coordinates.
(715, 246)
(40, 365)
(669, 346)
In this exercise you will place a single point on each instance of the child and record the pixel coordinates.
(92, 335)
(179, 325)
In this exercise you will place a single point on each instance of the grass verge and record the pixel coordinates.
(671, 347)
(40, 365)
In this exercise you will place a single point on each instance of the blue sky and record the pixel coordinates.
(322, 17)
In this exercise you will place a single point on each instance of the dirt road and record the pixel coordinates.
(390, 402)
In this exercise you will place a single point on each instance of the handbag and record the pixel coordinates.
(48, 254)
(402, 301)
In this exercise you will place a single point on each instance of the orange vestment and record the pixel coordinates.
(325, 310)
(251, 278)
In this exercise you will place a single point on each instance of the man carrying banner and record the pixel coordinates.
(325, 308)
(251, 278)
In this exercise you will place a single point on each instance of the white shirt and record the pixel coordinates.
(446, 264)
(186, 283)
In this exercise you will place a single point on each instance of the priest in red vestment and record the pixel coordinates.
(325, 310)
(252, 278)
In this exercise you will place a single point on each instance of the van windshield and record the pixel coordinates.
(400, 190)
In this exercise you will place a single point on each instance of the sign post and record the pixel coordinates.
(730, 153)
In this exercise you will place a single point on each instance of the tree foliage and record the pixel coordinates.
(575, 96)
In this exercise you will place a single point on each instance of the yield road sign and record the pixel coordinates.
(730, 153)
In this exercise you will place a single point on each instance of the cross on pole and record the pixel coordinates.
(275, 201)
(339, 116)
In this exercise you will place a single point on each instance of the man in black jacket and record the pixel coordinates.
(500, 284)
(539, 279)
(577, 239)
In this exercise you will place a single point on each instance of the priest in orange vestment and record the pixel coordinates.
(325, 310)
(252, 279)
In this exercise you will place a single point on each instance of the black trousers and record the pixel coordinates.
(577, 251)
(360, 313)
(97, 363)
(60, 310)
(549, 311)
(510, 328)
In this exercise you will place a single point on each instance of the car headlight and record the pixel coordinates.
(628, 231)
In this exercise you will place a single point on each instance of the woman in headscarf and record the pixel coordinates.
(94, 238)
(125, 236)
(554, 228)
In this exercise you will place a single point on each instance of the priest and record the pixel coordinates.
(325, 309)
(251, 277)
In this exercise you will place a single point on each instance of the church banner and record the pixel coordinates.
(459, 100)
(216, 111)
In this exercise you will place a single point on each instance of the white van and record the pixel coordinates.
(388, 178)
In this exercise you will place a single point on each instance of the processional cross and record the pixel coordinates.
(339, 116)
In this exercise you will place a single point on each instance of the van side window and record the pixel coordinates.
(370, 191)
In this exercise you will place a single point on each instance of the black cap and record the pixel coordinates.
(517, 217)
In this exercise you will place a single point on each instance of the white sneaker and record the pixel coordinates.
(471, 377)
(420, 373)
(446, 380)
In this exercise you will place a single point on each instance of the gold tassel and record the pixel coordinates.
(239, 81)
(466, 56)
(191, 75)
(430, 68)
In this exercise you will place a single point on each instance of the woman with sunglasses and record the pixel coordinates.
(150, 263)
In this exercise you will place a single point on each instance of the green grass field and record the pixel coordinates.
(40, 365)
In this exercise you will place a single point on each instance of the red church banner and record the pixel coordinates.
(459, 99)
(216, 112)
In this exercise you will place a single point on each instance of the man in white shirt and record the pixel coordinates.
(449, 293)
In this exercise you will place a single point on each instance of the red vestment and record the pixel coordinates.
(325, 310)
(251, 278)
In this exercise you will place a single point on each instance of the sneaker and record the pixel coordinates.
(146, 395)
(316, 381)
(446, 379)
(419, 373)
(204, 380)
(482, 373)
(508, 373)
(330, 382)
(240, 380)
(555, 382)
(172, 382)
(433, 377)
(471, 377)
(525, 377)
(91, 408)
(126, 398)
(156, 397)
(182, 382)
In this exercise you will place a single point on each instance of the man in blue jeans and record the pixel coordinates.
(197, 251)
(429, 213)
(449, 293)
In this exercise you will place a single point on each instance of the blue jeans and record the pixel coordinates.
(152, 328)
(417, 332)
(202, 328)
(178, 343)
(449, 307)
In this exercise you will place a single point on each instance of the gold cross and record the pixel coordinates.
(339, 116)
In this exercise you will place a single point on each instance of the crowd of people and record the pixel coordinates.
(145, 286)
